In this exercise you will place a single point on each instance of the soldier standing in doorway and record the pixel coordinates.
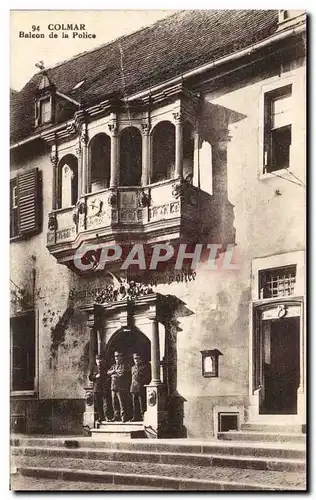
(119, 377)
(140, 377)
(101, 390)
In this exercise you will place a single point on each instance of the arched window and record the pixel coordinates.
(68, 181)
(163, 143)
(130, 157)
(99, 161)
(188, 151)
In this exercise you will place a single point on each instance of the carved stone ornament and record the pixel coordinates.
(281, 311)
(54, 159)
(122, 289)
(89, 398)
(96, 206)
(144, 200)
(52, 222)
(112, 200)
(178, 116)
(84, 138)
(113, 128)
(82, 208)
(152, 398)
(145, 127)
(178, 191)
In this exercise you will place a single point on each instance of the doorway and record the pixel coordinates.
(280, 365)
(128, 341)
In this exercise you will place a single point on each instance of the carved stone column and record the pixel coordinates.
(179, 145)
(79, 155)
(155, 351)
(114, 176)
(156, 416)
(145, 154)
(89, 414)
(84, 160)
(55, 183)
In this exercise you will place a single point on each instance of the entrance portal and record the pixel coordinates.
(281, 365)
(128, 341)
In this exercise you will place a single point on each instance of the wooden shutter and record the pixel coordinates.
(29, 201)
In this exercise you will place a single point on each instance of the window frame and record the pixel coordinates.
(270, 88)
(14, 214)
(27, 392)
(269, 130)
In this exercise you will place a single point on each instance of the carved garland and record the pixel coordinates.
(122, 290)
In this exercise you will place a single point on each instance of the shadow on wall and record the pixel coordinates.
(216, 209)
(175, 402)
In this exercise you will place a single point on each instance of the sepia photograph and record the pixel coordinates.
(158, 250)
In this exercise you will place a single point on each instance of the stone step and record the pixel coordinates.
(272, 428)
(262, 436)
(162, 476)
(115, 431)
(168, 458)
(221, 447)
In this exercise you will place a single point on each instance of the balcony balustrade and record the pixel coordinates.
(166, 211)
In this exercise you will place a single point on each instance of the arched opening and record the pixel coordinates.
(163, 143)
(99, 161)
(130, 157)
(68, 181)
(127, 341)
(188, 151)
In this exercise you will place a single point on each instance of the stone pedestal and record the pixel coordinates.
(156, 416)
(89, 414)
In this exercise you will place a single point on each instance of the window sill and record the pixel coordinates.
(274, 174)
(19, 237)
(32, 393)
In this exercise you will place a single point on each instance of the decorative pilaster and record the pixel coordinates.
(114, 176)
(145, 153)
(79, 156)
(89, 414)
(55, 186)
(156, 416)
(85, 170)
(179, 145)
(155, 351)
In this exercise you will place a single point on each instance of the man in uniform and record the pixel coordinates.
(119, 377)
(101, 389)
(140, 377)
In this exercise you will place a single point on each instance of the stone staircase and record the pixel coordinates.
(255, 458)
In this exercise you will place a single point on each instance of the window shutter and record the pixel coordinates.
(28, 201)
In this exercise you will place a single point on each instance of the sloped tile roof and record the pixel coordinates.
(166, 49)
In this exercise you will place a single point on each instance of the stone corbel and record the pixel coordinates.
(113, 127)
(146, 127)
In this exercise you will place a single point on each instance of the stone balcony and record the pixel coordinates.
(170, 211)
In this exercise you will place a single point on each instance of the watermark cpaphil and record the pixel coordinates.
(94, 257)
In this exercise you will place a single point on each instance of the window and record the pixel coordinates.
(14, 224)
(277, 129)
(23, 352)
(25, 203)
(46, 110)
(279, 282)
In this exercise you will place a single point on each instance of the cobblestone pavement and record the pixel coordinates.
(21, 483)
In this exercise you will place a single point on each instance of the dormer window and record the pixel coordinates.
(289, 17)
(44, 105)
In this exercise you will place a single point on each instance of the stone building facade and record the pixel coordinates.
(195, 136)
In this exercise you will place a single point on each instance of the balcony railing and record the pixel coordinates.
(157, 212)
